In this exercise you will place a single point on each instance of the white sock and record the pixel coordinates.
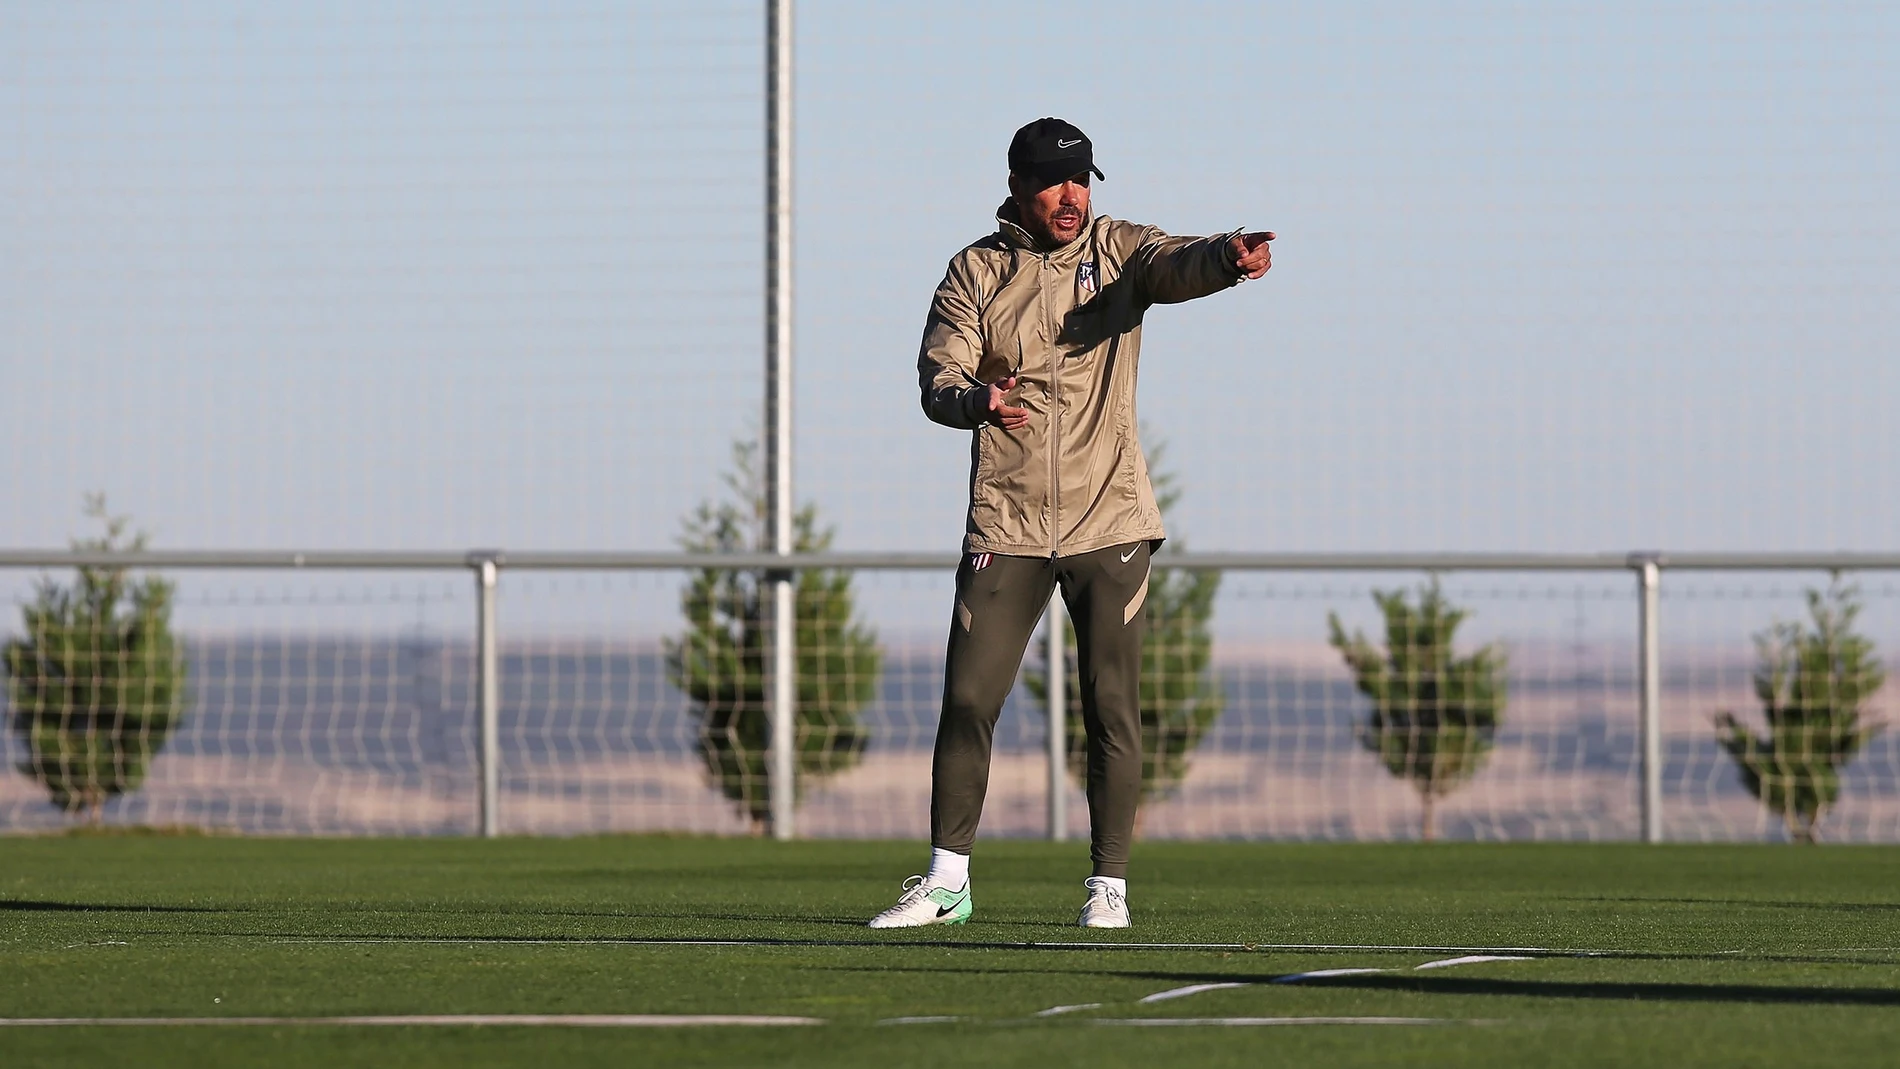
(948, 869)
(1114, 883)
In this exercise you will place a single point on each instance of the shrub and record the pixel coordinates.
(97, 682)
(721, 661)
(1434, 714)
(1814, 683)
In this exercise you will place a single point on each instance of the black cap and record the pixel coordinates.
(1051, 150)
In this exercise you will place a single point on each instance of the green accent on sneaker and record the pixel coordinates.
(953, 907)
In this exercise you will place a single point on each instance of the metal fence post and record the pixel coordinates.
(782, 740)
(488, 693)
(1649, 671)
(1058, 728)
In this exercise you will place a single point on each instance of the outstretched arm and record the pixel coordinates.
(1171, 269)
(953, 394)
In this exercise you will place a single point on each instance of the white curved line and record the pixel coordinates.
(1183, 992)
(1321, 974)
(1470, 959)
(1057, 1011)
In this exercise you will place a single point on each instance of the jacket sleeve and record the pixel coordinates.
(952, 347)
(1170, 270)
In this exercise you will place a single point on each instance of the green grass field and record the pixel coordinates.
(1743, 955)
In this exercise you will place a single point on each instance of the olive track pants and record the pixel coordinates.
(999, 600)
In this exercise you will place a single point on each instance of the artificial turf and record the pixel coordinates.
(1704, 955)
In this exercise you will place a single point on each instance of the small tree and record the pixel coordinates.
(1434, 715)
(720, 662)
(1814, 682)
(1180, 697)
(97, 681)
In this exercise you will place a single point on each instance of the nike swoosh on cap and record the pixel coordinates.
(1068, 144)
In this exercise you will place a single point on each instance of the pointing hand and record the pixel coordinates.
(1004, 415)
(1251, 255)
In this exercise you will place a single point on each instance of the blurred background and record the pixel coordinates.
(1550, 278)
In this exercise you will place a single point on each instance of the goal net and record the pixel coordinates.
(347, 705)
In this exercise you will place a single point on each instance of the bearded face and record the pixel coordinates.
(1055, 214)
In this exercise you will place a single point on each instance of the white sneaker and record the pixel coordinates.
(923, 904)
(1106, 907)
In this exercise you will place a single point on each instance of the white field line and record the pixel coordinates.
(1320, 974)
(528, 1020)
(1183, 992)
(1317, 974)
(1057, 1011)
(1231, 1022)
(1469, 959)
(1382, 948)
(1446, 963)
(517, 1020)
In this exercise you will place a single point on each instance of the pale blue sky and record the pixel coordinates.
(1551, 277)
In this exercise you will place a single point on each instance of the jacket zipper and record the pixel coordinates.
(1055, 417)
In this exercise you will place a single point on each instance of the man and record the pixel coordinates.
(1031, 344)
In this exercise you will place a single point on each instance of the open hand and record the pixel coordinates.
(1252, 257)
(1005, 415)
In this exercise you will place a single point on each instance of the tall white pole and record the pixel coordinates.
(1058, 701)
(778, 400)
(1649, 581)
(488, 697)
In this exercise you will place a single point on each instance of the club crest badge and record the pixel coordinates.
(979, 561)
(1085, 275)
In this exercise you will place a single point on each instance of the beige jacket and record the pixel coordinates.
(1068, 323)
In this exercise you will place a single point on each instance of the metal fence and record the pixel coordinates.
(326, 721)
